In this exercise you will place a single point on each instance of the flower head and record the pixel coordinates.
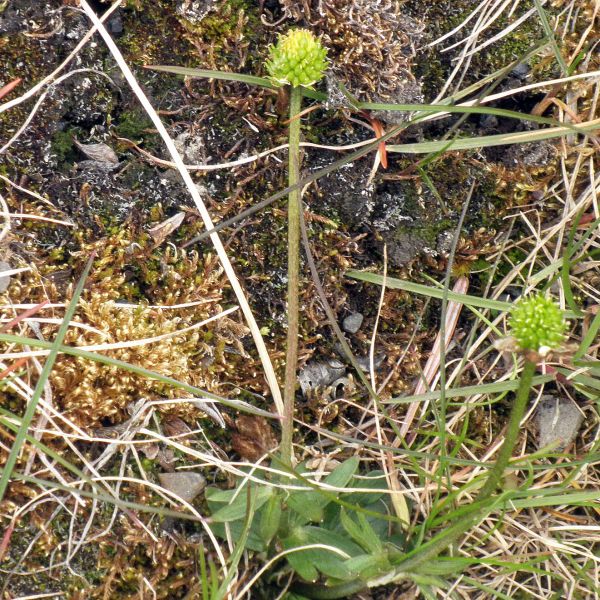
(298, 58)
(537, 324)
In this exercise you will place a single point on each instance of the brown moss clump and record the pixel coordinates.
(371, 45)
(210, 357)
(89, 391)
(166, 565)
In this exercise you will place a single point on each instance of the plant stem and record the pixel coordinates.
(512, 432)
(444, 539)
(294, 208)
(429, 550)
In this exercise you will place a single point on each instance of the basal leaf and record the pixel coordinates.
(238, 507)
(270, 518)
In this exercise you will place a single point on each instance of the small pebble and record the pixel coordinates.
(352, 323)
(185, 485)
(4, 281)
(320, 374)
(558, 421)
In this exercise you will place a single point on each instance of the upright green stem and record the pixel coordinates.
(429, 550)
(512, 432)
(440, 542)
(294, 208)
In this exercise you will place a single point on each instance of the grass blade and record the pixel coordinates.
(424, 290)
(497, 387)
(487, 141)
(222, 75)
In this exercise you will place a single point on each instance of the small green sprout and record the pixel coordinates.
(538, 324)
(298, 58)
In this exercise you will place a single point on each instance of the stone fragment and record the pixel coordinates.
(4, 280)
(320, 374)
(194, 10)
(186, 485)
(352, 323)
(100, 153)
(191, 147)
(558, 421)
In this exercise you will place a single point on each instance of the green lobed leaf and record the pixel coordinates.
(238, 507)
(311, 504)
(368, 566)
(308, 563)
(362, 532)
(270, 518)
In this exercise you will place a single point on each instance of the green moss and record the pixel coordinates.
(62, 146)
(442, 16)
(131, 124)
(220, 25)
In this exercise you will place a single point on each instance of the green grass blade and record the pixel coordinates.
(555, 266)
(497, 75)
(470, 390)
(264, 82)
(487, 141)
(5, 419)
(457, 109)
(241, 542)
(590, 337)
(551, 38)
(39, 388)
(576, 498)
(565, 273)
(208, 74)
(424, 290)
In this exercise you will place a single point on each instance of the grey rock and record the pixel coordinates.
(320, 374)
(4, 281)
(352, 323)
(558, 421)
(444, 242)
(186, 485)
(115, 23)
(404, 246)
(335, 97)
(521, 71)
(530, 155)
(191, 147)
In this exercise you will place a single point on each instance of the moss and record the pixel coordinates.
(433, 67)
(223, 27)
(132, 124)
(62, 146)
(145, 24)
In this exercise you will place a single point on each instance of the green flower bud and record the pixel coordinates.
(537, 324)
(298, 58)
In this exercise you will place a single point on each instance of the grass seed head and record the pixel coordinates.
(538, 324)
(298, 58)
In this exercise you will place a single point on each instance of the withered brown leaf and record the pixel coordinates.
(254, 437)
